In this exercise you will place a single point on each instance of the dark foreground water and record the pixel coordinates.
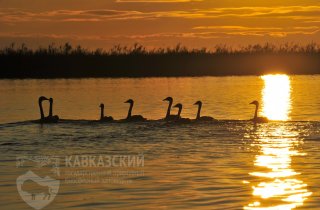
(226, 165)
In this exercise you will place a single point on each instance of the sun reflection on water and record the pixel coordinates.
(278, 186)
(276, 97)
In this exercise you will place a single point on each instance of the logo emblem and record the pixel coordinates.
(47, 187)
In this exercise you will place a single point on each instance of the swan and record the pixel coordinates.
(168, 115)
(49, 118)
(203, 118)
(136, 118)
(41, 99)
(257, 119)
(178, 117)
(102, 117)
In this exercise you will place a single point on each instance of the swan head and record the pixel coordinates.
(130, 101)
(51, 100)
(101, 105)
(178, 106)
(198, 103)
(170, 99)
(42, 98)
(255, 103)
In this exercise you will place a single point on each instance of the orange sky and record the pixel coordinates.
(195, 23)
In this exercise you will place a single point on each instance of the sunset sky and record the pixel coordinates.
(154, 23)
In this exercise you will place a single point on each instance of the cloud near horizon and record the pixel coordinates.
(311, 13)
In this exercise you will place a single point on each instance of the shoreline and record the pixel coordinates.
(149, 77)
(68, 62)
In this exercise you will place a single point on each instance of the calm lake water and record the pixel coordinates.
(232, 164)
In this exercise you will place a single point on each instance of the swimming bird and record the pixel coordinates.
(202, 118)
(257, 119)
(168, 115)
(53, 118)
(135, 118)
(178, 117)
(102, 117)
(49, 118)
(40, 100)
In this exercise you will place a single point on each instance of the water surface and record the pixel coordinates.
(232, 164)
(222, 97)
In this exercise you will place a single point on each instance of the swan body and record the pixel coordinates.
(133, 118)
(178, 117)
(257, 119)
(202, 118)
(102, 117)
(169, 117)
(206, 118)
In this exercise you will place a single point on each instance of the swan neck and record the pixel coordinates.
(169, 109)
(102, 113)
(199, 111)
(41, 110)
(130, 110)
(179, 112)
(256, 112)
(50, 109)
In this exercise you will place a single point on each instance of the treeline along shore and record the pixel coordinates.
(67, 61)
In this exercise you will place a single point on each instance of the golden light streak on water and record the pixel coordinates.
(276, 97)
(278, 186)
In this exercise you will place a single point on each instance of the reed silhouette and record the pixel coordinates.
(67, 61)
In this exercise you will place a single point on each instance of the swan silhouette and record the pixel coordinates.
(202, 118)
(102, 117)
(257, 119)
(134, 118)
(178, 117)
(41, 99)
(168, 115)
(50, 118)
